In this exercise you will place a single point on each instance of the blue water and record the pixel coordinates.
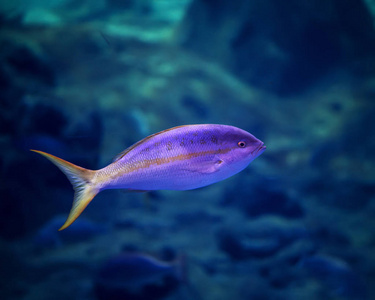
(84, 80)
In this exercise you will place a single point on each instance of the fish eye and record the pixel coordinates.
(241, 144)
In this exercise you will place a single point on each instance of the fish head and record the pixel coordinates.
(242, 148)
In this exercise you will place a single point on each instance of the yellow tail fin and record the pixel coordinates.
(81, 179)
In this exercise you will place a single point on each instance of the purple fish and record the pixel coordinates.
(180, 158)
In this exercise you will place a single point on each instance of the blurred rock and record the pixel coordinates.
(10, 215)
(82, 230)
(349, 195)
(22, 72)
(264, 202)
(337, 276)
(239, 247)
(45, 119)
(196, 218)
(40, 16)
(84, 140)
(13, 272)
(196, 106)
(261, 43)
(120, 4)
(48, 143)
(261, 199)
(331, 237)
(136, 276)
(27, 65)
(262, 239)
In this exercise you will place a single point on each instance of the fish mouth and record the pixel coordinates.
(259, 150)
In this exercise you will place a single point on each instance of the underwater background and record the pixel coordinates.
(83, 80)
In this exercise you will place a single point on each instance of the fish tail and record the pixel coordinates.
(81, 179)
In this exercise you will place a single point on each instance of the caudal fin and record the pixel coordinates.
(81, 179)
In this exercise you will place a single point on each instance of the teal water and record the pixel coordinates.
(83, 80)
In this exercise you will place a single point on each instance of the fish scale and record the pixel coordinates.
(180, 158)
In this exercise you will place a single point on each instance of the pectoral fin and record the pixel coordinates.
(206, 167)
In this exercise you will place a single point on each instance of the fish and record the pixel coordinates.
(137, 275)
(336, 275)
(180, 158)
(134, 270)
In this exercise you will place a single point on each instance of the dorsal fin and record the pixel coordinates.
(122, 153)
(127, 150)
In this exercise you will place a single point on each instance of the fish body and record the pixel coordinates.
(180, 158)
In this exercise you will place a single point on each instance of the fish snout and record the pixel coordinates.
(260, 149)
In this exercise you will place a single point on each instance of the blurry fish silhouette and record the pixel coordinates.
(336, 275)
(138, 276)
(180, 158)
(48, 237)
